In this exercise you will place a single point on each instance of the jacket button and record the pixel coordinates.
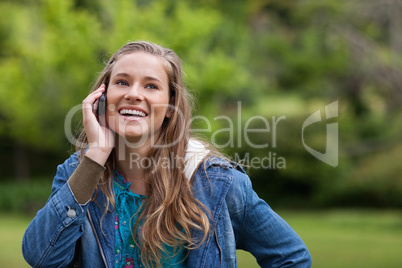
(71, 213)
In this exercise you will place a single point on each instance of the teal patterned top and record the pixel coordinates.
(128, 205)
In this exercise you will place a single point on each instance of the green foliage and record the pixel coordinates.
(374, 182)
(57, 50)
(24, 197)
(43, 70)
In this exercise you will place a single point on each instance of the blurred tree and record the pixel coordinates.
(51, 51)
(315, 52)
(43, 51)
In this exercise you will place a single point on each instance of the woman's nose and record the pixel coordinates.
(134, 93)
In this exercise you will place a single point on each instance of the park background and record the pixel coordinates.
(275, 57)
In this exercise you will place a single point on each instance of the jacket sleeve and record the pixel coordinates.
(262, 232)
(50, 238)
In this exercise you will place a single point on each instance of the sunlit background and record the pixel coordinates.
(281, 60)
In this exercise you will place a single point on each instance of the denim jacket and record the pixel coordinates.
(64, 232)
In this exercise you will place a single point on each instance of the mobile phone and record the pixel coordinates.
(101, 110)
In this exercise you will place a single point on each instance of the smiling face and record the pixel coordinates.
(137, 97)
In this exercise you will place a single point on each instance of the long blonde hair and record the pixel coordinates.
(170, 211)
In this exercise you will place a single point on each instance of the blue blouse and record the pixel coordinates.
(127, 253)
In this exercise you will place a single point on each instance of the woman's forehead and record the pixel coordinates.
(140, 63)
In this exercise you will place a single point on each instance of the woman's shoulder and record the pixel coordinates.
(223, 163)
(223, 179)
(220, 168)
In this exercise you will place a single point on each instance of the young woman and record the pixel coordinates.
(140, 192)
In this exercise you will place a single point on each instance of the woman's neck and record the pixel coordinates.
(131, 162)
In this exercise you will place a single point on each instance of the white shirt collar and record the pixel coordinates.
(195, 154)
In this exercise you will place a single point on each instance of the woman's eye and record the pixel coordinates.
(121, 83)
(151, 86)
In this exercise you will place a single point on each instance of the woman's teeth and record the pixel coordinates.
(128, 112)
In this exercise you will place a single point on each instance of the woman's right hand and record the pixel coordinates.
(100, 137)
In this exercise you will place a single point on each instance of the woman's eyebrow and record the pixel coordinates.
(152, 78)
(122, 74)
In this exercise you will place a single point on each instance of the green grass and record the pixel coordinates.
(335, 238)
(340, 238)
(12, 229)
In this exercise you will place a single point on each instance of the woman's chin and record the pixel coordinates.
(134, 138)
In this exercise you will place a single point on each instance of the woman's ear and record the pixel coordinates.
(169, 113)
(170, 110)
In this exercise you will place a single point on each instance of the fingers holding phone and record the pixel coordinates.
(100, 137)
(91, 103)
(100, 108)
